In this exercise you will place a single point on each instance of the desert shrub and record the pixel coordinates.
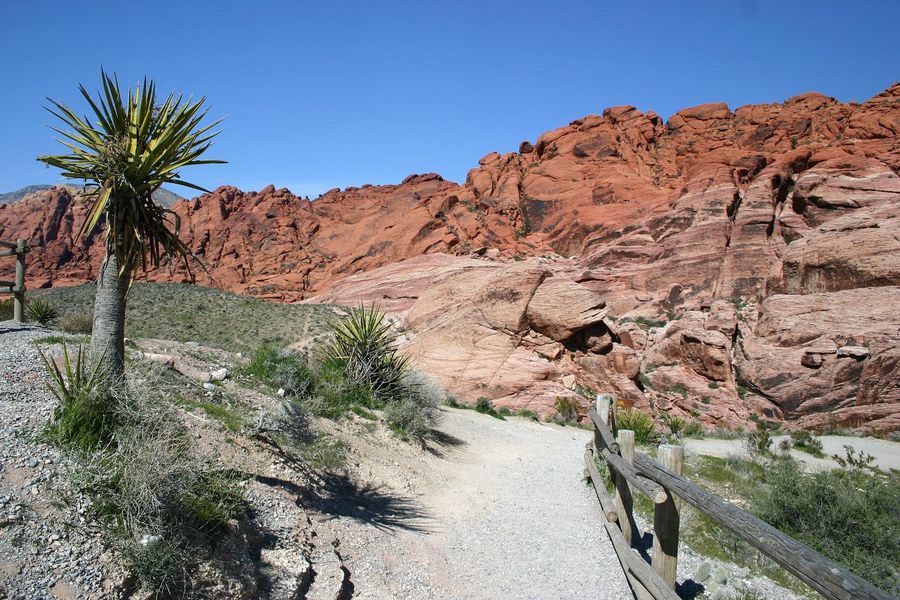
(640, 423)
(806, 441)
(759, 442)
(648, 323)
(85, 418)
(676, 424)
(694, 429)
(850, 515)
(414, 411)
(486, 407)
(80, 321)
(41, 310)
(363, 347)
(854, 459)
(566, 410)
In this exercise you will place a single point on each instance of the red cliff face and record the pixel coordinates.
(791, 207)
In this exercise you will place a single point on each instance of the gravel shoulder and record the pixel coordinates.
(504, 513)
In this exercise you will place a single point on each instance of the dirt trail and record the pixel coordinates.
(501, 511)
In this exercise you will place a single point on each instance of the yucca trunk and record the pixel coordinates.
(108, 335)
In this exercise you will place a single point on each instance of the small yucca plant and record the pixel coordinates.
(41, 311)
(85, 417)
(363, 345)
(676, 424)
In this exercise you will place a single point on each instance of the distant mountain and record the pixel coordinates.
(166, 197)
(162, 196)
(10, 197)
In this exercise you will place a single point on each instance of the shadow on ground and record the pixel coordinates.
(338, 495)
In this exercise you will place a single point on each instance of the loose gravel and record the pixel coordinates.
(48, 549)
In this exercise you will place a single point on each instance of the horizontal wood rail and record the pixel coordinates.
(656, 580)
(17, 287)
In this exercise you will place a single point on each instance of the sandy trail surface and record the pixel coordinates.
(500, 510)
(885, 452)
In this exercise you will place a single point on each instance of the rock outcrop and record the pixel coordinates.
(707, 264)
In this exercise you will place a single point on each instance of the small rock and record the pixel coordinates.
(219, 374)
(280, 392)
(209, 387)
(857, 352)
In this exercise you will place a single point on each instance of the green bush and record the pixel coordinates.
(806, 441)
(41, 311)
(640, 423)
(281, 368)
(85, 418)
(850, 515)
(484, 406)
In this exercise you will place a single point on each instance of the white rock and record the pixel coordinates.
(219, 374)
(853, 351)
(209, 387)
(280, 392)
(148, 539)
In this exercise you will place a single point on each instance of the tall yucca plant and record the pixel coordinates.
(131, 146)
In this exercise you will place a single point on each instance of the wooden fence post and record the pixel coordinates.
(666, 519)
(624, 500)
(19, 289)
(604, 402)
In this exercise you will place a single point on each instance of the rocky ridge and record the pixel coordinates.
(719, 265)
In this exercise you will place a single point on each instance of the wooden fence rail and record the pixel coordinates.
(663, 483)
(16, 287)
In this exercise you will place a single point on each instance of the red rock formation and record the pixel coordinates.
(656, 218)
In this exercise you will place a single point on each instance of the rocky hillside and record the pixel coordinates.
(719, 265)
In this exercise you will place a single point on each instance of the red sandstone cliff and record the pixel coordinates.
(788, 208)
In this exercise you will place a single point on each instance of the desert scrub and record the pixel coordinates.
(80, 321)
(640, 423)
(807, 442)
(566, 410)
(485, 406)
(158, 503)
(849, 514)
(414, 411)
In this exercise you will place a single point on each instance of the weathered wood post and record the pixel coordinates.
(604, 402)
(19, 289)
(666, 519)
(624, 500)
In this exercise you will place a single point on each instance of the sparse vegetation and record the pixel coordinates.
(358, 370)
(184, 312)
(807, 442)
(647, 323)
(484, 406)
(156, 500)
(759, 442)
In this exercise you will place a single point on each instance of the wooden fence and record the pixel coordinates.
(16, 287)
(663, 483)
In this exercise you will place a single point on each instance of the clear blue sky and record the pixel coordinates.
(333, 94)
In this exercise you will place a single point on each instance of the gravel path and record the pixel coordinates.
(507, 515)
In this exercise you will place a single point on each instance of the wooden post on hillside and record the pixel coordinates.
(666, 519)
(624, 500)
(604, 402)
(19, 289)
